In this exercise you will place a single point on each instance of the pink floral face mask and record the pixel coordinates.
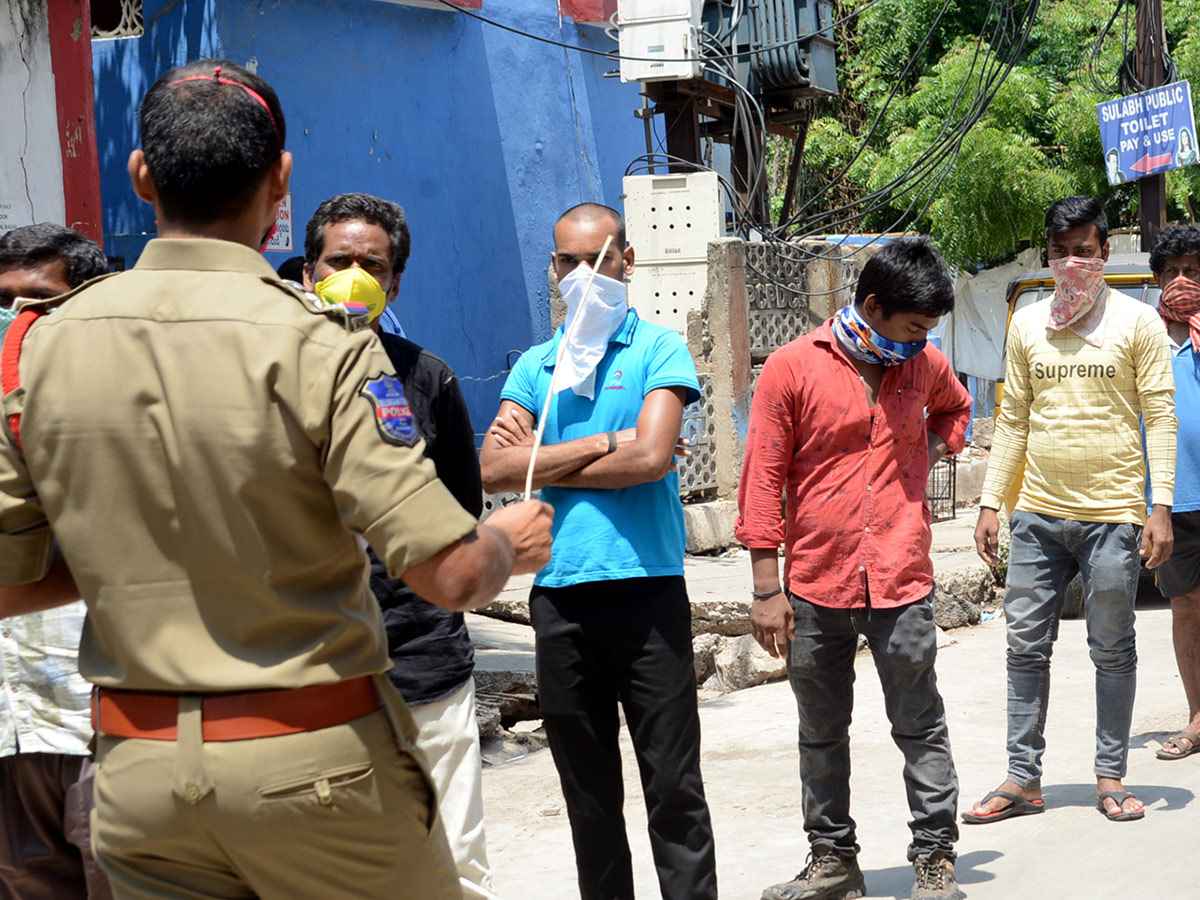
(1078, 284)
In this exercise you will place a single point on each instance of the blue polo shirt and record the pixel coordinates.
(602, 535)
(1187, 438)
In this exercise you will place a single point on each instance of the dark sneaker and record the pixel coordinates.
(826, 877)
(935, 878)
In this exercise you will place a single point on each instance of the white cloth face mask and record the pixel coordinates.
(600, 314)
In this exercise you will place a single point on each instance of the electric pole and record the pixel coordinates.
(1150, 69)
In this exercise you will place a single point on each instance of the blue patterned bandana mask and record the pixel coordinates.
(864, 343)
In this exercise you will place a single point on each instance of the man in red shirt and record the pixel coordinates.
(848, 421)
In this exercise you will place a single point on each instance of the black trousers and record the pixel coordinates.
(629, 641)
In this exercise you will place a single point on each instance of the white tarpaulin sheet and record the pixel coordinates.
(973, 336)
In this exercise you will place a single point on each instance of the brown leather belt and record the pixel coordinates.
(235, 717)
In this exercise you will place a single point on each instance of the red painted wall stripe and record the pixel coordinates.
(70, 25)
(588, 10)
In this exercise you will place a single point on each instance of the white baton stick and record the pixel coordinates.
(562, 347)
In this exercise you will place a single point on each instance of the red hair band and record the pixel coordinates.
(217, 79)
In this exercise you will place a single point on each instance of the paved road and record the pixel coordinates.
(750, 769)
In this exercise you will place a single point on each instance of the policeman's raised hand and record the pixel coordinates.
(987, 536)
(527, 526)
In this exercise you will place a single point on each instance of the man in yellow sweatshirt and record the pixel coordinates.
(1083, 365)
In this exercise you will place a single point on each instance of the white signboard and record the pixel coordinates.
(281, 238)
(31, 178)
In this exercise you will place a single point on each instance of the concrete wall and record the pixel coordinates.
(483, 136)
(31, 183)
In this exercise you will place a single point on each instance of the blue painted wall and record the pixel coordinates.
(483, 136)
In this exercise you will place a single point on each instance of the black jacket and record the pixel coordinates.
(430, 648)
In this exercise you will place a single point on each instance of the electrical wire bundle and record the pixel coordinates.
(920, 183)
(1124, 81)
(1011, 23)
(923, 178)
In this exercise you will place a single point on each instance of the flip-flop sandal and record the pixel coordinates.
(1119, 798)
(1017, 806)
(1186, 735)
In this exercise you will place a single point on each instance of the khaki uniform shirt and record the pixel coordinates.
(205, 446)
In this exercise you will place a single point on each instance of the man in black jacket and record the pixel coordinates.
(433, 659)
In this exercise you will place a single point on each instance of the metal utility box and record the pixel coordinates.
(658, 39)
(792, 67)
(669, 221)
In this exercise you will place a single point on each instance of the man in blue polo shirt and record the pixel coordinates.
(610, 611)
(1175, 261)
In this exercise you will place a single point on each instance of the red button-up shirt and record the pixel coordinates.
(854, 475)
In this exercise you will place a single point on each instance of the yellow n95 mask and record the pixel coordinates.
(355, 289)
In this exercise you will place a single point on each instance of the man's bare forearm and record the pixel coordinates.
(764, 564)
(466, 575)
(938, 448)
(504, 468)
(633, 464)
(56, 589)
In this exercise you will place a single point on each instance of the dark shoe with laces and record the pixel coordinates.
(935, 878)
(827, 876)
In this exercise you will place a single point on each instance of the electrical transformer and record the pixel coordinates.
(779, 48)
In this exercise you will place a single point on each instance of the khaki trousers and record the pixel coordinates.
(343, 813)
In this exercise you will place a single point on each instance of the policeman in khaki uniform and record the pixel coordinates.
(205, 446)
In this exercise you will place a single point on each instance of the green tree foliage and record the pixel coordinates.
(1037, 140)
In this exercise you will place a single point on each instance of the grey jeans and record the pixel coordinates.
(1046, 553)
(903, 643)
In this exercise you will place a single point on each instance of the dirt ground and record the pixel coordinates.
(750, 770)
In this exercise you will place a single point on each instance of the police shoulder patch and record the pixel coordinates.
(393, 415)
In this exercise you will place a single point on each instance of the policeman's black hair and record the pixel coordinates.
(209, 144)
(907, 276)
(1173, 241)
(591, 210)
(33, 245)
(1071, 212)
(370, 209)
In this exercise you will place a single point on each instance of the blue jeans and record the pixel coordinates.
(1046, 553)
(903, 643)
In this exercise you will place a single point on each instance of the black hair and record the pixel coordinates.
(1071, 212)
(292, 269)
(209, 143)
(1173, 241)
(1113, 153)
(31, 245)
(588, 211)
(907, 276)
(373, 210)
